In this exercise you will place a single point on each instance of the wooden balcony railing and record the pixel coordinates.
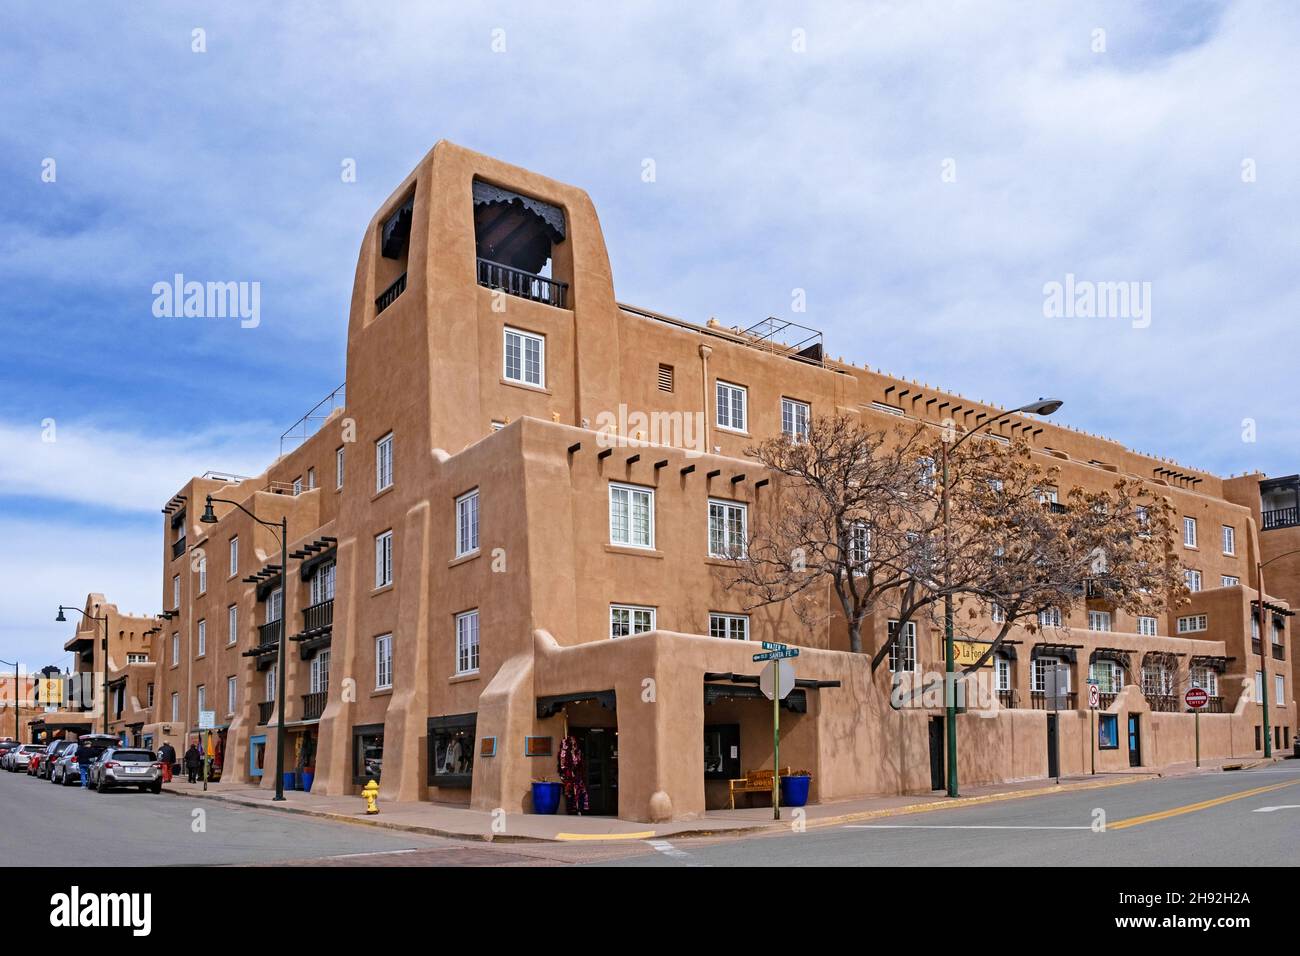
(1281, 518)
(1105, 700)
(526, 285)
(313, 705)
(1009, 698)
(268, 633)
(178, 548)
(1040, 700)
(265, 709)
(1213, 706)
(389, 295)
(1256, 646)
(318, 617)
(1279, 652)
(1164, 703)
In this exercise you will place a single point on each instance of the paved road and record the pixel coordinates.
(1215, 819)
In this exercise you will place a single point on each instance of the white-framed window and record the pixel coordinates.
(859, 546)
(1099, 620)
(1002, 671)
(1192, 623)
(232, 624)
(1229, 539)
(203, 572)
(320, 672)
(203, 638)
(232, 694)
(137, 658)
(1143, 521)
(383, 559)
(269, 684)
(1259, 687)
(727, 528)
(338, 467)
(795, 416)
(384, 463)
(1108, 675)
(1157, 679)
(1230, 580)
(902, 648)
(926, 472)
(1049, 617)
(297, 485)
(888, 409)
(384, 662)
(176, 590)
(1147, 625)
(1254, 627)
(148, 696)
(732, 410)
(1206, 678)
(1277, 630)
(732, 626)
(467, 642)
(631, 516)
(625, 619)
(525, 358)
(275, 606)
(997, 613)
(1041, 666)
(176, 706)
(234, 556)
(311, 478)
(1279, 690)
(1189, 532)
(1192, 578)
(176, 649)
(322, 583)
(201, 697)
(467, 523)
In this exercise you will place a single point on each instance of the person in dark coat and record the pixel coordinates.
(167, 757)
(193, 763)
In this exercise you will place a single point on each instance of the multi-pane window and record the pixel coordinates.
(1049, 617)
(902, 649)
(1279, 690)
(203, 572)
(1157, 679)
(137, 658)
(203, 638)
(625, 619)
(859, 546)
(1099, 620)
(997, 614)
(732, 626)
(727, 533)
(1229, 539)
(1002, 670)
(234, 556)
(297, 485)
(322, 583)
(176, 590)
(311, 478)
(1230, 580)
(384, 662)
(269, 683)
(275, 606)
(1192, 623)
(176, 649)
(338, 467)
(1147, 626)
(525, 358)
(1189, 532)
(926, 472)
(1277, 630)
(794, 419)
(467, 523)
(201, 697)
(176, 707)
(1259, 687)
(148, 696)
(1206, 678)
(467, 642)
(384, 559)
(384, 462)
(320, 672)
(631, 516)
(231, 694)
(1108, 675)
(1044, 664)
(1254, 627)
(1192, 578)
(731, 401)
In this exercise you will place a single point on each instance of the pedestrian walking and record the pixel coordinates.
(167, 757)
(193, 762)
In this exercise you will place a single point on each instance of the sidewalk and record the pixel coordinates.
(435, 819)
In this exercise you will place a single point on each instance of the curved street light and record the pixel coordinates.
(92, 617)
(1044, 406)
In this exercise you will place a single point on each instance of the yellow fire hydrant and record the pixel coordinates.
(371, 792)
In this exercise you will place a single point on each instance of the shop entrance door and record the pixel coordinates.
(1134, 741)
(937, 777)
(600, 754)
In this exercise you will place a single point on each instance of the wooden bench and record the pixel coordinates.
(754, 781)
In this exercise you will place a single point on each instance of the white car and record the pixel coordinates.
(15, 760)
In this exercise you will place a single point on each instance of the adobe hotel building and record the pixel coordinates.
(466, 536)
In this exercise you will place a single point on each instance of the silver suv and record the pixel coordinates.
(126, 767)
(52, 752)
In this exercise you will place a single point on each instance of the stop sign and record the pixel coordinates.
(1196, 698)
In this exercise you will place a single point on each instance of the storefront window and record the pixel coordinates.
(451, 750)
(1107, 732)
(367, 752)
(722, 751)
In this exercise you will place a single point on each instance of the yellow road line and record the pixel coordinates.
(1193, 807)
(643, 835)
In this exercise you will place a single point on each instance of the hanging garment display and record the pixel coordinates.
(573, 775)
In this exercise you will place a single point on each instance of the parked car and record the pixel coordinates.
(35, 762)
(86, 750)
(47, 759)
(126, 767)
(15, 759)
(6, 746)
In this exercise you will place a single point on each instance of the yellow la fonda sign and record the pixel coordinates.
(51, 690)
(967, 653)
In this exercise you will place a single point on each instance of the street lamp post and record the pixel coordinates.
(1044, 406)
(282, 526)
(1263, 649)
(93, 617)
(17, 701)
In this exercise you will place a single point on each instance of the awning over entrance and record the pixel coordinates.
(1063, 651)
(796, 702)
(550, 706)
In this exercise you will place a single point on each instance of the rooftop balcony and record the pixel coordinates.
(526, 285)
(1281, 518)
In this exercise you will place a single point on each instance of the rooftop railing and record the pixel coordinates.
(526, 285)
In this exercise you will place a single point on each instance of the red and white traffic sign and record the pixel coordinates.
(1094, 696)
(1196, 698)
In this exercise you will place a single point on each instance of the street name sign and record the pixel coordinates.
(777, 655)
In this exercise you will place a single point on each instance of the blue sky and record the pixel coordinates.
(793, 149)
